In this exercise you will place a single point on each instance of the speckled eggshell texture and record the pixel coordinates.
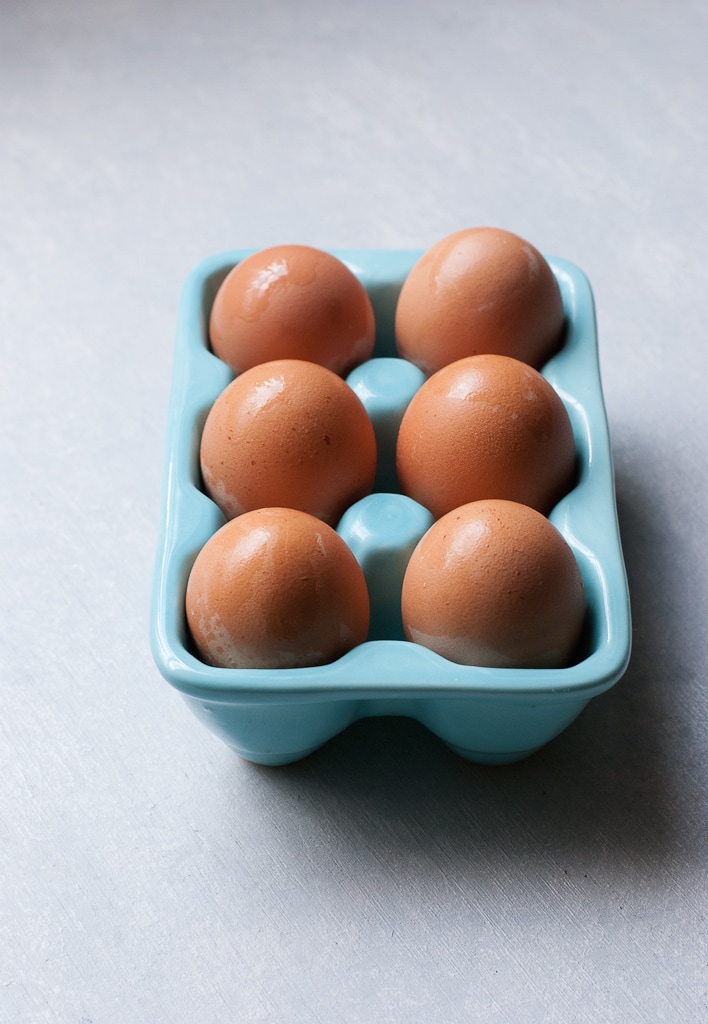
(292, 302)
(288, 433)
(276, 588)
(494, 583)
(487, 426)
(479, 290)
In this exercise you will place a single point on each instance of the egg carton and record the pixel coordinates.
(487, 715)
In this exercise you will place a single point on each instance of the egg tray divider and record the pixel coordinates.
(487, 715)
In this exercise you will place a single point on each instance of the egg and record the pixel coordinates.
(276, 588)
(479, 290)
(292, 302)
(487, 426)
(494, 583)
(288, 433)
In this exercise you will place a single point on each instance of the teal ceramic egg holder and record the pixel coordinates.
(491, 716)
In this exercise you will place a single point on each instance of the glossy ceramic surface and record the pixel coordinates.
(486, 715)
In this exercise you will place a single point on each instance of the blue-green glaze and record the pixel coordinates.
(488, 715)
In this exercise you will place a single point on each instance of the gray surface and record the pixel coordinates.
(147, 874)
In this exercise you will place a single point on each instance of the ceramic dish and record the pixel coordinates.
(491, 716)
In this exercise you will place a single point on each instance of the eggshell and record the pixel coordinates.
(487, 426)
(288, 433)
(292, 302)
(479, 290)
(276, 588)
(494, 583)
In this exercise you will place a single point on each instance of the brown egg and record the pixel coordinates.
(479, 290)
(288, 433)
(485, 427)
(494, 583)
(292, 302)
(276, 588)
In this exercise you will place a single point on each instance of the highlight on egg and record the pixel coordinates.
(479, 290)
(494, 583)
(276, 588)
(486, 426)
(289, 433)
(292, 302)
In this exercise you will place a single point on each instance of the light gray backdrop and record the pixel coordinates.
(146, 873)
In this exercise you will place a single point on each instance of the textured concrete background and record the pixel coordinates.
(147, 874)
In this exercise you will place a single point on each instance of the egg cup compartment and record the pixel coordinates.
(491, 716)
